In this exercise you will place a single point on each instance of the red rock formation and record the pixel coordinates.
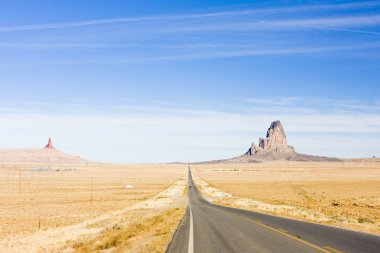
(275, 142)
(49, 145)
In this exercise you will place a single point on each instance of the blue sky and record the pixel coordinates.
(188, 81)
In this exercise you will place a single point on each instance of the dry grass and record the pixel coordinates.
(345, 194)
(150, 234)
(37, 200)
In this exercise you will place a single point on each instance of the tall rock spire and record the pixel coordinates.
(274, 144)
(49, 145)
(275, 147)
(275, 136)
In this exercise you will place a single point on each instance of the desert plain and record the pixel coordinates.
(89, 207)
(344, 194)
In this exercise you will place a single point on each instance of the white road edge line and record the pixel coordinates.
(191, 233)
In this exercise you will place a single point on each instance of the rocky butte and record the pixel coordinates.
(275, 147)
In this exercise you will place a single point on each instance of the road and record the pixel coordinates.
(208, 228)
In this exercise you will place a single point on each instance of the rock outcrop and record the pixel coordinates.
(275, 142)
(275, 147)
(275, 136)
(49, 145)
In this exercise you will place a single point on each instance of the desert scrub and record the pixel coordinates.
(365, 220)
(151, 234)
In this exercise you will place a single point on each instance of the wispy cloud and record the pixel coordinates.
(122, 46)
(316, 106)
(365, 20)
(326, 23)
(341, 6)
(274, 101)
(212, 55)
(345, 30)
(250, 34)
(262, 105)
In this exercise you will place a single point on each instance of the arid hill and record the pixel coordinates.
(46, 155)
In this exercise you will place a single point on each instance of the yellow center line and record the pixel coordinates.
(282, 230)
(333, 249)
(285, 233)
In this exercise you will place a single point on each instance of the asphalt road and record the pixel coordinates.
(208, 228)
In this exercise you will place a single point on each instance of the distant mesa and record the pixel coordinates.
(49, 145)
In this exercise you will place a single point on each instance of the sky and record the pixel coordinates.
(164, 81)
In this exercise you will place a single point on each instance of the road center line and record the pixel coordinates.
(333, 250)
(278, 231)
(191, 233)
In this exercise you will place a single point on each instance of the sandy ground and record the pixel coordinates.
(344, 194)
(41, 210)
